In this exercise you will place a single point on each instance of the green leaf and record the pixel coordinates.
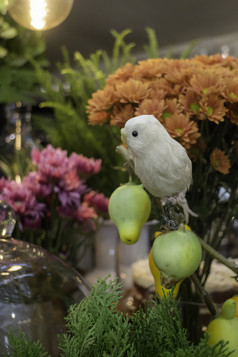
(3, 52)
(8, 33)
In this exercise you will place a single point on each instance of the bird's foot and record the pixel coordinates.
(178, 200)
(169, 224)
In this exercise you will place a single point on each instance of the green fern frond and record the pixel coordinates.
(19, 346)
(187, 52)
(152, 49)
(120, 48)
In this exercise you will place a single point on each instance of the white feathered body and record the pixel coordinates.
(160, 162)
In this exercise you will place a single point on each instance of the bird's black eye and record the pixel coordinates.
(134, 133)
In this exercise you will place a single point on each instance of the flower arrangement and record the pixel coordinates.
(196, 100)
(54, 206)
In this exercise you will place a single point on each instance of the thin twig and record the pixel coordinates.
(204, 294)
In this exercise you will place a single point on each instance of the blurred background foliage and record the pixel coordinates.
(17, 46)
(65, 93)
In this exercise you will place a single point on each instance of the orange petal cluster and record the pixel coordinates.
(183, 94)
(220, 161)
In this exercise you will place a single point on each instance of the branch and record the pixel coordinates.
(227, 262)
(204, 294)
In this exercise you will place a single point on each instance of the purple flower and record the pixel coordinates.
(68, 198)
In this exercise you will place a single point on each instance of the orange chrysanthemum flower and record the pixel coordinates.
(220, 161)
(172, 108)
(205, 87)
(180, 72)
(122, 74)
(230, 63)
(233, 112)
(231, 90)
(98, 118)
(151, 106)
(121, 114)
(160, 84)
(210, 60)
(156, 93)
(190, 102)
(101, 100)
(182, 129)
(207, 82)
(151, 68)
(132, 91)
(213, 108)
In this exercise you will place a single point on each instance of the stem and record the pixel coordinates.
(59, 234)
(205, 295)
(117, 260)
(215, 242)
(230, 264)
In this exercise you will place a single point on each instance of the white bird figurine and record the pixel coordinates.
(160, 162)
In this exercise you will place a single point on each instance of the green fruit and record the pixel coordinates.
(225, 327)
(177, 254)
(129, 208)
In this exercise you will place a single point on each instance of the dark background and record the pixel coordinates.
(176, 22)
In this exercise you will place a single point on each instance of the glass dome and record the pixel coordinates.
(36, 291)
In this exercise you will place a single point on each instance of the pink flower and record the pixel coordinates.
(24, 203)
(51, 163)
(85, 212)
(70, 181)
(85, 165)
(55, 190)
(3, 183)
(98, 200)
(86, 215)
(35, 183)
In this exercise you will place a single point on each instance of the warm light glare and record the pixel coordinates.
(15, 268)
(40, 14)
(4, 232)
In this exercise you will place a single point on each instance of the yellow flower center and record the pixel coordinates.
(195, 107)
(178, 131)
(233, 95)
(205, 90)
(166, 115)
(209, 110)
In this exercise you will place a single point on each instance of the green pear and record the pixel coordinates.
(225, 327)
(129, 208)
(177, 254)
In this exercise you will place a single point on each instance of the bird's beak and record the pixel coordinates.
(123, 136)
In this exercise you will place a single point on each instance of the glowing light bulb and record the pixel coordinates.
(40, 15)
